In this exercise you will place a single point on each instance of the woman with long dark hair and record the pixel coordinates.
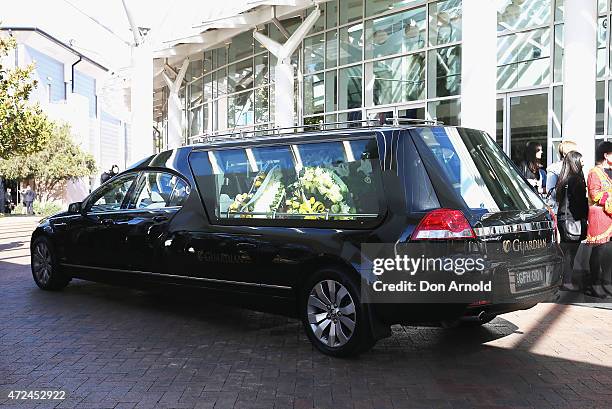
(532, 167)
(573, 210)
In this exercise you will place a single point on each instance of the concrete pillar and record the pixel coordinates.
(142, 101)
(579, 76)
(284, 95)
(283, 77)
(175, 126)
(479, 65)
(175, 110)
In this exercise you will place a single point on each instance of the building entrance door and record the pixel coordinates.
(524, 120)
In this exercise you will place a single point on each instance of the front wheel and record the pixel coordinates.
(45, 269)
(335, 321)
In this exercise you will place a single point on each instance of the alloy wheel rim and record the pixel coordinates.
(331, 313)
(42, 263)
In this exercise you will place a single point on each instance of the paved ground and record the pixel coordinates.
(113, 347)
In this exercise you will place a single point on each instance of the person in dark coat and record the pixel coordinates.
(531, 167)
(571, 195)
(3, 198)
(107, 175)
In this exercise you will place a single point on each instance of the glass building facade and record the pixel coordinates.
(397, 58)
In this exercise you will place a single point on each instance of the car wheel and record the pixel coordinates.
(335, 321)
(45, 269)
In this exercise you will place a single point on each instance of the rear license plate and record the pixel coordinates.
(528, 279)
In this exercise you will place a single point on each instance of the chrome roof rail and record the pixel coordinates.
(274, 131)
(413, 121)
(282, 131)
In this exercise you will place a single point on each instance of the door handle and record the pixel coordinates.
(108, 222)
(160, 218)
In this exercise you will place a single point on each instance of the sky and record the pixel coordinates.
(98, 29)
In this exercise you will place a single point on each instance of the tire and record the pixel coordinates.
(335, 320)
(45, 268)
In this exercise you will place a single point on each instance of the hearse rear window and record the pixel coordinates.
(336, 181)
(478, 170)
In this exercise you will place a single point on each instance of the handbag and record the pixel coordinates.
(572, 231)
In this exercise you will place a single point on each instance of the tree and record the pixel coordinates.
(23, 126)
(59, 161)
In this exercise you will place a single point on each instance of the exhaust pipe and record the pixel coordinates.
(475, 318)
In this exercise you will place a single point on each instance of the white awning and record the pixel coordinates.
(194, 26)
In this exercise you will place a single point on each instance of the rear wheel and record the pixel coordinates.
(45, 269)
(335, 321)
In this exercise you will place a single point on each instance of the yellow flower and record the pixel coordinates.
(318, 207)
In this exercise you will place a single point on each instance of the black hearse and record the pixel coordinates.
(283, 217)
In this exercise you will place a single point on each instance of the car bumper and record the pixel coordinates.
(430, 313)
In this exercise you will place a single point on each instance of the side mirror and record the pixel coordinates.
(74, 207)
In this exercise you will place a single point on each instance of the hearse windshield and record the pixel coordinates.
(335, 181)
(478, 170)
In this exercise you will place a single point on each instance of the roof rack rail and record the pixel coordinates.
(397, 121)
(288, 130)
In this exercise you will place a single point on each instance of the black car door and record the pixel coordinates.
(156, 198)
(94, 237)
(251, 193)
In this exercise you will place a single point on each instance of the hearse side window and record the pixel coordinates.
(333, 153)
(157, 190)
(110, 197)
(337, 181)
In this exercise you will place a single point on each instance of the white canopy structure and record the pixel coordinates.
(212, 25)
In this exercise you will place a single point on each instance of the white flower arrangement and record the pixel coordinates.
(325, 182)
(316, 191)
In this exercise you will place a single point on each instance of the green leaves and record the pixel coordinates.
(24, 128)
(58, 161)
(31, 146)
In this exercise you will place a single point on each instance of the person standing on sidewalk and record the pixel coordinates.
(572, 213)
(3, 198)
(531, 167)
(599, 231)
(554, 170)
(28, 198)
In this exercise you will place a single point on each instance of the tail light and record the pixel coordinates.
(444, 224)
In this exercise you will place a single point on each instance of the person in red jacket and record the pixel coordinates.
(599, 230)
